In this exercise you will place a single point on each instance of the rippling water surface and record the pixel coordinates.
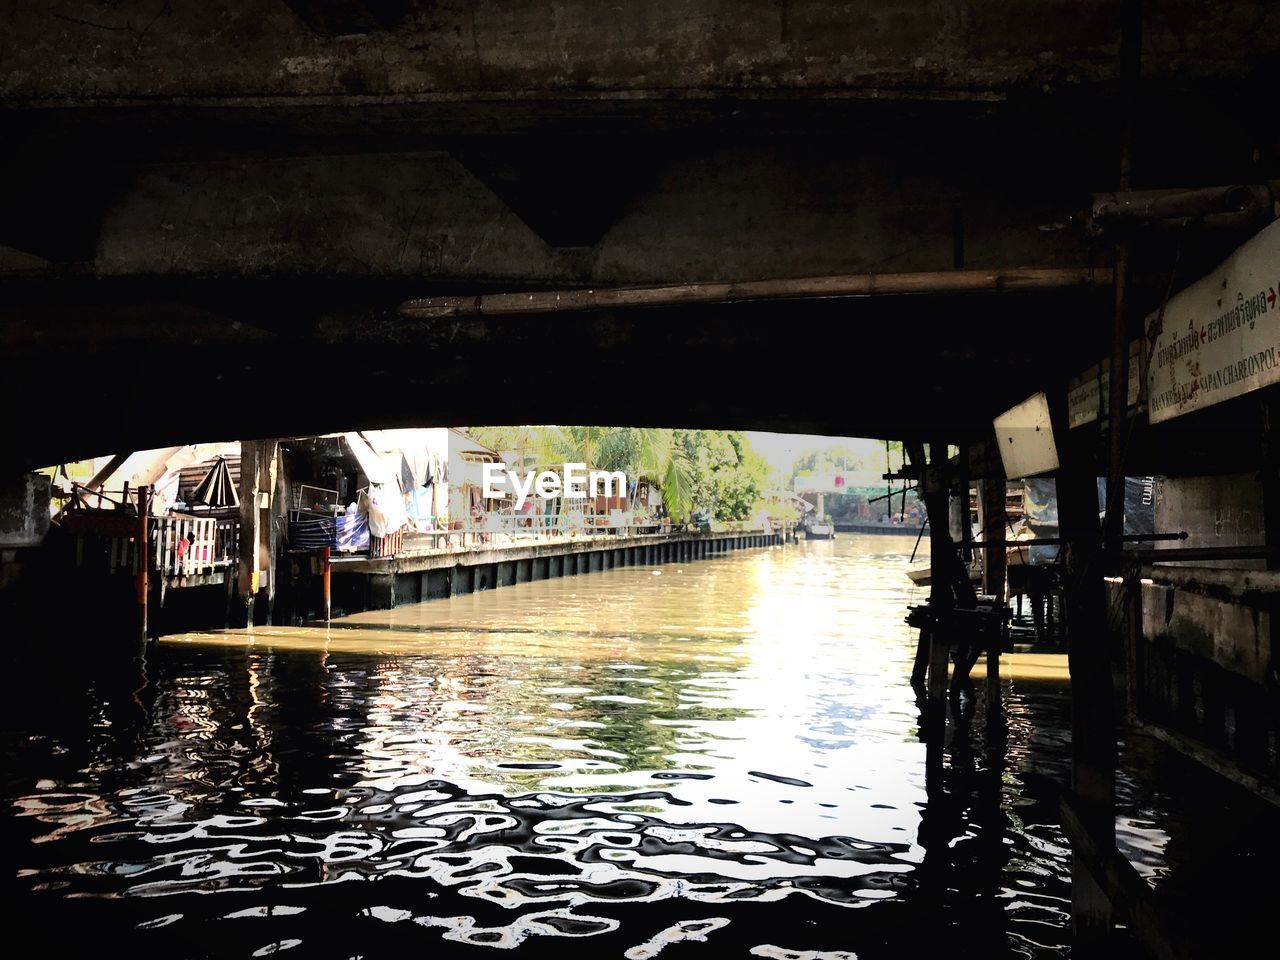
(716, 756)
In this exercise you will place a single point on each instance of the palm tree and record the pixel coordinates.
(646, 453)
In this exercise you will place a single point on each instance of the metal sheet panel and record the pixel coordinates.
(1025, 436)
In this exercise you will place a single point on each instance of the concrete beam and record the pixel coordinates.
(72, 51)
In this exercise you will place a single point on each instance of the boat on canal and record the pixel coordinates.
(814, 530)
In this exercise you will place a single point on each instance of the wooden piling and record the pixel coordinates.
(941, 598)
(247, 571)
(1093, 723)
(143, 558)
(991, 500)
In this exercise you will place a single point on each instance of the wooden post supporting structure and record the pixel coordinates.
(991, 498)
(247, 573)
(256, 543)
(271, 477)
(1093, 724)
(143, 558)
(941, 597)
(920, 669)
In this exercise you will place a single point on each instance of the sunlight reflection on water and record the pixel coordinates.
(724, 754)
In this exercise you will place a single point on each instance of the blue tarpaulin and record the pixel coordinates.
(344, 534)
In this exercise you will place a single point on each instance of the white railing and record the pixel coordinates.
(507, 529)
(185, 546)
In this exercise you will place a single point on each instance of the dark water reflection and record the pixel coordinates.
(609, 764)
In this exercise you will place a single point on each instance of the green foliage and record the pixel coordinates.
(640, 452)
(880, 459)
(729, 478)
(714, 470)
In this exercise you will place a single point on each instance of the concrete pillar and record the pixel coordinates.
(462, 580)
(382, 591)
(436, 584)
(24, 510)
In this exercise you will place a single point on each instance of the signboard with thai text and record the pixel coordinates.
(1219, 337)
(1088, 394)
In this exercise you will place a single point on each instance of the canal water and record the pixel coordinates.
(720, 756)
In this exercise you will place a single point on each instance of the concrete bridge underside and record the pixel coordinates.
(213, 211)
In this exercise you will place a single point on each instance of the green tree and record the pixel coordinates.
(729, 478)
(640, 452)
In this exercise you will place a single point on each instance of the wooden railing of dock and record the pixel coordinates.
(212, 545)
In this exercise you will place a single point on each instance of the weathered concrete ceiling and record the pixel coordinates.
(228, 201)
(66, 51)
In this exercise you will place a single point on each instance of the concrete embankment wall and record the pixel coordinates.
(1203, 663)
(384, 584)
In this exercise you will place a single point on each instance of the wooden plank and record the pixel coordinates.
(845, 285)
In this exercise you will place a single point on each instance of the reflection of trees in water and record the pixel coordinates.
(509, 722)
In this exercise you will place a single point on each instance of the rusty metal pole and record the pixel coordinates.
(326, 576)
(144, 558)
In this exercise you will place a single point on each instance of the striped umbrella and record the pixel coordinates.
(216, 489)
